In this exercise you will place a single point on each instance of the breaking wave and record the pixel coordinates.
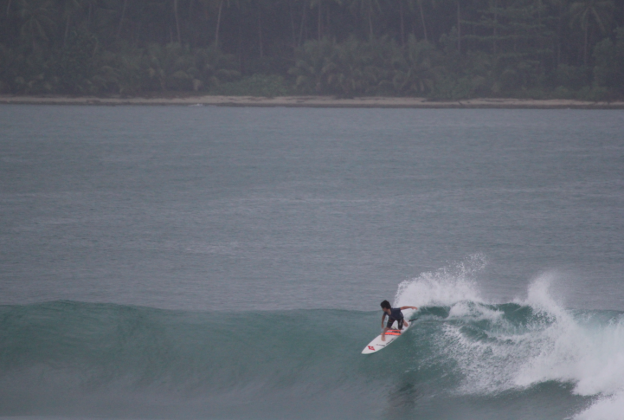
(463, 357)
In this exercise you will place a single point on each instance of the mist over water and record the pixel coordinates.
(221, 263)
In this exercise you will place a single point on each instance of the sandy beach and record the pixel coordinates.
(312, 102)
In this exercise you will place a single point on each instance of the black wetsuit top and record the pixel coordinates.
(395, 315)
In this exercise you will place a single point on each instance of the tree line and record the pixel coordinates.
(433, 48)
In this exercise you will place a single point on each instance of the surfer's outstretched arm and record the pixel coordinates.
(407, 307)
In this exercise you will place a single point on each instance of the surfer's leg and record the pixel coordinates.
(388, 327)
(400, 324)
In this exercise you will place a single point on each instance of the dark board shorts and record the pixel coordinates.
(391, 321)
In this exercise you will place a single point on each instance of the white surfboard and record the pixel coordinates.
(391, 335)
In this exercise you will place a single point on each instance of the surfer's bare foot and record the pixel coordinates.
(383, 338)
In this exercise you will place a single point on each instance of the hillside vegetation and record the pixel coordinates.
(441, 49)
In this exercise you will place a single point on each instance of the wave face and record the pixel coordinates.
(462, 359)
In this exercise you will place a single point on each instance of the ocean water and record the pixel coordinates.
(228, 263)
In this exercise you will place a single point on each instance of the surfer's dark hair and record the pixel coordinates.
(385, 304)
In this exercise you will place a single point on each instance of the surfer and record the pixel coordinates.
(394, 314)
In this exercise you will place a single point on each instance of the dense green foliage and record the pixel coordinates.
(435, 48)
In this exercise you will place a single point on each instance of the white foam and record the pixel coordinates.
(588, 354)
(606, 408)
(539, 295)
(444, 287)
(557, 345)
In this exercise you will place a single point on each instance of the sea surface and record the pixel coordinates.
(228, 263)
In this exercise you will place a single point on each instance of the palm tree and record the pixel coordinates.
(345, 69)
(320, 30)
(319, 20)
(36, 20)
(70, 7)
(311, 65)
(402, 21)
(586, 12)
(172, 66)
(218, 23)
(121, 19)
(367, 8)
(418, 4)
(122, 73)
(414, 68)
(214, 67)
(177, 19)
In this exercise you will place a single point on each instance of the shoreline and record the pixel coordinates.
(313, 102)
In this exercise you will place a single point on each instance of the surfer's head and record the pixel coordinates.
(385, 305)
